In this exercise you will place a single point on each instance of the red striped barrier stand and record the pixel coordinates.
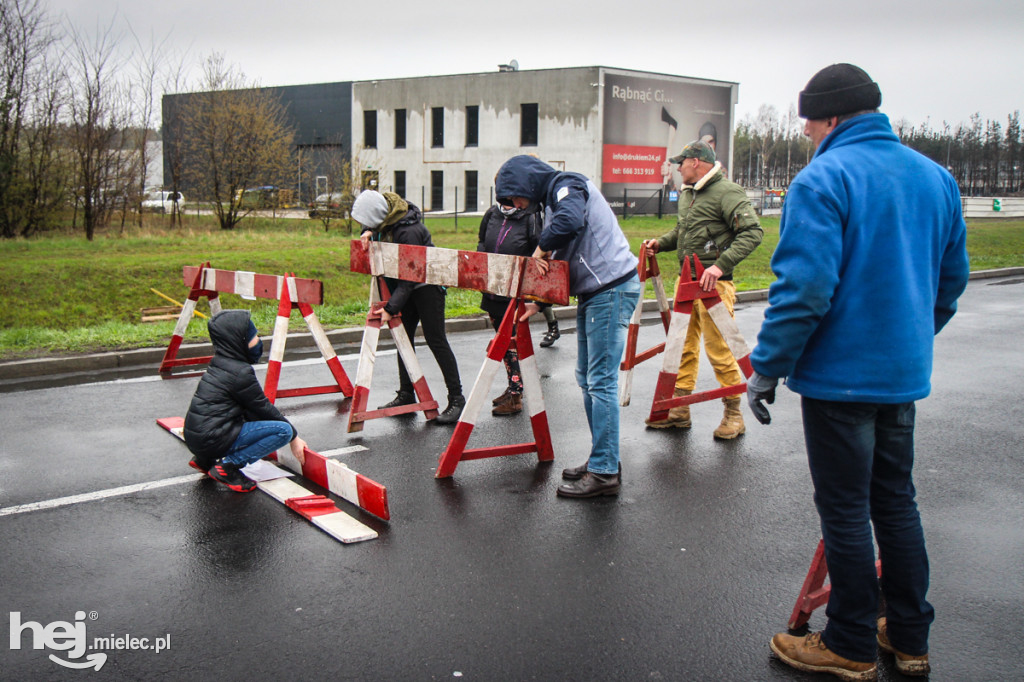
(194, 280)
(290, 298)
(647, 269)
(319, 510)
(358, 412)
(815, 592)
(687, 291)
(456, 450)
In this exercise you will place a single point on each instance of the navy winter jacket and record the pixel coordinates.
(579, 225)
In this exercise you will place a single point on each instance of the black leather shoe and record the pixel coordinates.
(590, 485)
(576, 473)
(452, 413)
(401, 398)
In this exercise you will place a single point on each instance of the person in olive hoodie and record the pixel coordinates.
(230, 422)
(717, 223)
(390, 218)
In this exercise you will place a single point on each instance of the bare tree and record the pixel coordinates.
(147, 65)
(235, 135)
(98, 127)
(31, 168)
(172, 128)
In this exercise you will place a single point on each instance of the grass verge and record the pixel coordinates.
(63, 294)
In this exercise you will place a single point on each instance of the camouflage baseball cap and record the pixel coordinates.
(696, 150)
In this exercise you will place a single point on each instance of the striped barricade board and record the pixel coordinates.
(492, 273)
(319, 510)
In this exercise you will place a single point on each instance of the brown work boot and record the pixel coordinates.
(502, 398)
(513, 404)
(912, 666)
(810, 653)
(678, 417)
(732, 420)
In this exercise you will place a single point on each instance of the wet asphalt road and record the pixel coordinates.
(488, 576)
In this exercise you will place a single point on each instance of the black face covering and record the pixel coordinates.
(255, 352)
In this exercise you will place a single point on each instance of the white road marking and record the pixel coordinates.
(98, 495)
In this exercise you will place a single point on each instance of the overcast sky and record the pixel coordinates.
(936, 60)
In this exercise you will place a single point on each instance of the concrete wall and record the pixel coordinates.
(568, 135)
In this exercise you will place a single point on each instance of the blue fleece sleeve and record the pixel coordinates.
(806, 262)
(954, 271)
(568, 203)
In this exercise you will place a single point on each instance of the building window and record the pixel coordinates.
(436, 190)
(400, 183)
(471, 196)
(370, 129)
(472, 126)
(528, 125)
(400, 118)
(437, 131)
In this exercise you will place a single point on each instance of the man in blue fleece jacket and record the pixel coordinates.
(870, 262)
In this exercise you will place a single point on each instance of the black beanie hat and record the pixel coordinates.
(836, 90)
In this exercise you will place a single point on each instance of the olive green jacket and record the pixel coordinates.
(716, 222)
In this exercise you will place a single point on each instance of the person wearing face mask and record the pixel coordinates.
(230, 422)
(512, 231)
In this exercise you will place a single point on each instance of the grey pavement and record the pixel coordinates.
(487, 575)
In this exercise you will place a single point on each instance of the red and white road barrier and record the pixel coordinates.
(492, 273)
(255, 285)
(194, 280)
(335, 476)
(358, 412)
(456, 450)
(647, 269)
(815, 592)
(687, 291)
(320, 510)
(290, 298)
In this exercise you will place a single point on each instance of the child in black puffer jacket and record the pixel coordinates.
(230, 422)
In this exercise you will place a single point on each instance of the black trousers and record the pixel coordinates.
(426, 306)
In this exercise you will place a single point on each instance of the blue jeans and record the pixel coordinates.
(601, 323)
(861, 456)
(257, 440)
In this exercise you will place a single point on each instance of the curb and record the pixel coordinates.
(14, 370)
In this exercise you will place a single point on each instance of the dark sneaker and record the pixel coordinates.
(513, 404)
(198, 465)
(229, 475)
(590, 485)
(809, 653)
(401, 398)
(453, 411)
(911, 666)
(551, 336)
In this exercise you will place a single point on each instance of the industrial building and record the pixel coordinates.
(439, 140)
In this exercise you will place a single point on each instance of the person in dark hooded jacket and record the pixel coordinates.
(390, 218)
(580, 227)
(230, 422)
(511, 231)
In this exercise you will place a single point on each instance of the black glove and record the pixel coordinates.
(761, 388)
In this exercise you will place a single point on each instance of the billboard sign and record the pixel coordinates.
(648, 119)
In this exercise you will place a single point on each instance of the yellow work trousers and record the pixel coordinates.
(724, 364)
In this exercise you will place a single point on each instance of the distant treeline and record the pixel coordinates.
(985, 156)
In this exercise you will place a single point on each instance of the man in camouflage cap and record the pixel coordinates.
(717, 224)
